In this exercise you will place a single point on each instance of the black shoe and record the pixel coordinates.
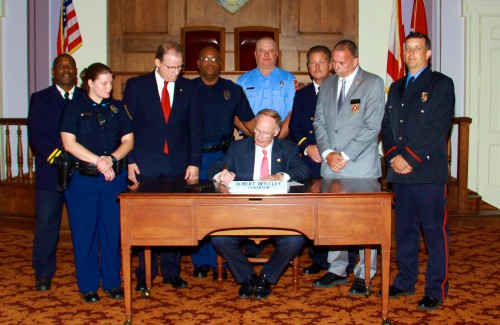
(313, 269)
(215, 274)
(395, 292)
(247, 286)
(90, 297)
(262, 288)
(358, 287)
(176, 282)
(141, 285)
(43, 283)
(116, 293)
(329, 280)
(201, 271)
(429, 303)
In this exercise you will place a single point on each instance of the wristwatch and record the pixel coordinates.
(113, 159)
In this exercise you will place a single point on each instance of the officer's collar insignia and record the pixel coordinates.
(424, 96)
(282, 83)
(227, 94)
(113, 108)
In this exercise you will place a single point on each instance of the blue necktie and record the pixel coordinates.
(341, 96)
(410, 81)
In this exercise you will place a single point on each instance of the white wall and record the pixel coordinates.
(14, 59)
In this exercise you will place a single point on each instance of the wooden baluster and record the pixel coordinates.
(463, 162)
(20, 155)
(8, 158)
(31, 173)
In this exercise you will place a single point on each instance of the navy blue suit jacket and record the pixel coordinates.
(240, 159)
(184, 131)
(416, 123)
(301, 124)
(44, 116)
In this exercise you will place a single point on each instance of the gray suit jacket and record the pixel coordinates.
(354, 130)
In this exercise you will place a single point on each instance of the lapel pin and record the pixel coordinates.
(424, 97)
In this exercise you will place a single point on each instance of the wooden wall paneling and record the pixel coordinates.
(323, 16)
(136, 27)
(116, 59)
(146, 16)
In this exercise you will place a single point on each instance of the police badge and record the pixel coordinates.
(227, 95)
(113, 109)
(424, 97)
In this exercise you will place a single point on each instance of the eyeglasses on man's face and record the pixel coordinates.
(259, 133)
(209, 59)
(172, 69)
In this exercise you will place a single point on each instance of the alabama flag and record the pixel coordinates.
(418, 18)
(395, 55)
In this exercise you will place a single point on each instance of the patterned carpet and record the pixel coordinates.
(473, 298)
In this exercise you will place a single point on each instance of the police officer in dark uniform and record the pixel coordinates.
(46, 108)
(418, 116)
(97, 132)
(221, 101)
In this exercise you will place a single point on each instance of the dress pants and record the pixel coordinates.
(170, 263)
(340, 259)
(286, 248)
(422, 205)
(48, 206)
(94, 216)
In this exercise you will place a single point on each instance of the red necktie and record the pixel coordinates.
(264, 166)
(165, 104)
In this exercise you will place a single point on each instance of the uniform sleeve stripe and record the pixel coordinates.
(413, 154)
(390, 150)
(302, 140)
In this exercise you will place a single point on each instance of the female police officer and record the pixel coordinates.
(97, 131)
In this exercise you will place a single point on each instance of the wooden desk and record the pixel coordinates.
(346, 212)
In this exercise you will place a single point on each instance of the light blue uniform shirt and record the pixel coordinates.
(276, 91)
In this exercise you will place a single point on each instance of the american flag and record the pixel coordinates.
(69, 38)
(395, 56)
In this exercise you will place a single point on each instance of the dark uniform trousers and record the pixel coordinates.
(48, 206)
(410, 214)
(92, 204)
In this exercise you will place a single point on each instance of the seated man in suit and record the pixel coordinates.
(262, 157)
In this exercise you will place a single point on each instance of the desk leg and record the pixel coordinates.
(127, 290)
(368, 261)
(386, 254)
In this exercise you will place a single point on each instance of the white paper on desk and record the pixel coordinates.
(258, 187)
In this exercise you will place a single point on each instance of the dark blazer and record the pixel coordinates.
(46, 108)
(184, 131)
(416, 123)
(301, 124)
(240, 159)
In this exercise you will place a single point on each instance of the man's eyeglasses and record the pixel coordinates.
(207, 59)
(264, 134)
(171, 69)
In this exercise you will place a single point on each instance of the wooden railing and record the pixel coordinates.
(458, 194)
(7, 157)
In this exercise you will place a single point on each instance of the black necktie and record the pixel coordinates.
(66, 95)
